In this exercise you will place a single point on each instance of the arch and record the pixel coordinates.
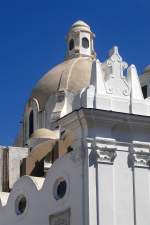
(85, 42)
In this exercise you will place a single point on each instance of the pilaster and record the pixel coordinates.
(140, 159)
(113, 180)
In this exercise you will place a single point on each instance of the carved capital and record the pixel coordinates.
(141, 159)
(104, 153)
(140, 154)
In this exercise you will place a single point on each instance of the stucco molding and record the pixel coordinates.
(140, 154)
(114, 67)
(104, 150)
(105, 155)
(141, 159)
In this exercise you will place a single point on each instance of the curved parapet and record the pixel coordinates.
(33, 200)
(38, 182)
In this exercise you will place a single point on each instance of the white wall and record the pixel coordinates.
(40, 195)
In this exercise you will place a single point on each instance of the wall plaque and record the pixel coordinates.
(62, 218)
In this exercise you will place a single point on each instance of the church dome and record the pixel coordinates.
(80, 25)
(75, 72)
(72, 75)
(54, 95)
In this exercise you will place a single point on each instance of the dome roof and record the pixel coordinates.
(45, 134)
(80, 25)
(72, 75)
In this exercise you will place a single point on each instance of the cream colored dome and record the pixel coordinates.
(72, 75)
(44, 134)
(80, 25)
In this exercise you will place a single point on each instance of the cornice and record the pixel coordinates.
(108, 116)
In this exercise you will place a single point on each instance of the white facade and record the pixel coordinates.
(87, 124)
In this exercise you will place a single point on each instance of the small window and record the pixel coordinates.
(20, 205)
(144, 90)
(60, 189)
(71, 44)
(85, 43)
(69, 149)
(31, 123)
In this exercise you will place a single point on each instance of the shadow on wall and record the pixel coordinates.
(122, 132)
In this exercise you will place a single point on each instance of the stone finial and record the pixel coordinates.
(114, 67)
(114, 51)
(116, 63)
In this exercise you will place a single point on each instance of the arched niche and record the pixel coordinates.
(31, 118)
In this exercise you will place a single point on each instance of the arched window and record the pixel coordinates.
(71, 44)
(144, 90)
(85, 42)
(31, 123)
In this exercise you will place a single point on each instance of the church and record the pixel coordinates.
(82, 155)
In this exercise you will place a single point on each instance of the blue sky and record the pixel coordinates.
(32, 40)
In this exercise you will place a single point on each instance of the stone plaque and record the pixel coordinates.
(62, 218)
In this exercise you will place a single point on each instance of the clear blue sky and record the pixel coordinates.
(32, 41)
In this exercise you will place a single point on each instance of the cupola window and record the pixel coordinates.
(85, 43)
(31, 123)
(71, 44)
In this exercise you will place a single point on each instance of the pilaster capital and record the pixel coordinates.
(140, 154)
(104, 150)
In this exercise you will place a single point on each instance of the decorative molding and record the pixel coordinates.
(113, 68)
(140, 154)
(105, 155)
(141, 159)
(104, 150)
(116, 63)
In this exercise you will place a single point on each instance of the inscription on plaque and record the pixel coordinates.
(62, 218)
